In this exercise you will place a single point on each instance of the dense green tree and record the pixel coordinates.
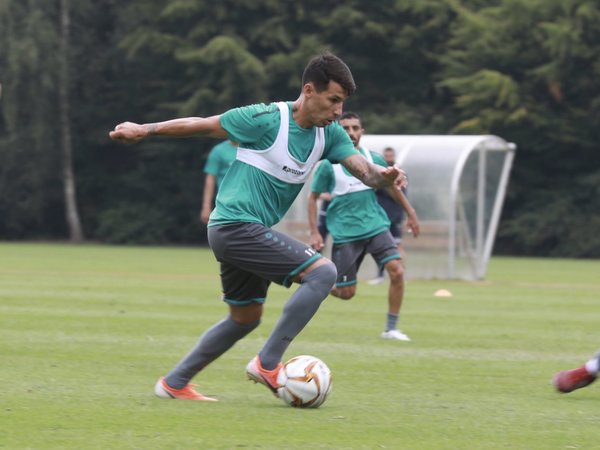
(525, 70)
(528, 72)
(30, 176)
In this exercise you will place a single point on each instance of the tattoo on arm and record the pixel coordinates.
(364, 171)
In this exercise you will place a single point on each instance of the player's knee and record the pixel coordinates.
(346, 293)
(252, 325)
(327, 274)
(396, 272)
(322, 278)
(246, 315)
(331, 272)
(247, 326)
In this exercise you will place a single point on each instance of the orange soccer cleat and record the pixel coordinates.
(163, 390)
(256, 373)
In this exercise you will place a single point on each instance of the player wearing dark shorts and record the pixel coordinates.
(360, 226)
(278, 146)
(348, 256)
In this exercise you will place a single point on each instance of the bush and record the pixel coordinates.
(132, 223)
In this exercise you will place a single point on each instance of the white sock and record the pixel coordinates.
(592, 366)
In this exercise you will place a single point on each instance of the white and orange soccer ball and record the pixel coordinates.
(305, 382)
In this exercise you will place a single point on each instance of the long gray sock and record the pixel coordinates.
(212, 344)
(391, 321)
(299, 309)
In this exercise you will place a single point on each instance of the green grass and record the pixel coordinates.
(86, 331)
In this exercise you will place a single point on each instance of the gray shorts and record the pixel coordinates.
(348, 257)
(252, 256)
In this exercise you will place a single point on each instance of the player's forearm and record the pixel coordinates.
(401, 199)
(369, 174)
(209, 192)
(374, 178)
(183, 127)
(312, 215)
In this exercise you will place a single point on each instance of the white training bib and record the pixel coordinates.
(277, 160)
(346, 184)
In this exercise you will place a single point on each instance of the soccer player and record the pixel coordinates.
(219, 160)
(279, 144)
(359, 225)
(570, 380)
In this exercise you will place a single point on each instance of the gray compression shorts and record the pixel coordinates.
(349, 256)
(252, 256)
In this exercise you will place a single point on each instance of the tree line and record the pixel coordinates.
(525, 70)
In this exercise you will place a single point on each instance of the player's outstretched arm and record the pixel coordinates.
(372, 175)
(130, 132)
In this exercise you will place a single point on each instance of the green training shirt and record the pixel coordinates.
(354, 216)
(247, 194)
(219, 160)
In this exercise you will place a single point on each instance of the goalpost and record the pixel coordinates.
(457, 185)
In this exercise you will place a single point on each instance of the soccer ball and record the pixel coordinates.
(305, 382)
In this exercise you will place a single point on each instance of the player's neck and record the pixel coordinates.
(300, 113)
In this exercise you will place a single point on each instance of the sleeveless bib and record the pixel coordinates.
(277, 160)
(346, 184)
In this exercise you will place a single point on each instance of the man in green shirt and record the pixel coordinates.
(219, 160)
(279, 145)
(359, 225)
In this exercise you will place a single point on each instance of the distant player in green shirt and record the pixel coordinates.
(279, 145)
(219, 160)
(359, 225)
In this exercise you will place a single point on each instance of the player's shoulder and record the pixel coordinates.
(256, 120)
(258, 111)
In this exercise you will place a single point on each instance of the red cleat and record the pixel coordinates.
(569, 380)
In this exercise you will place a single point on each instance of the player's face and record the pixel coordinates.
(326, 106)
(354, 129)
(389, 157)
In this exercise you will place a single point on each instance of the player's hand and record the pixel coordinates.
(390, 174)
(204, 215)
(129, 133)
(412, 223)
(402, 180)
(316, 241)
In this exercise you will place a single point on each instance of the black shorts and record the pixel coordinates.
(252, 256)
(396, 230)
(348, 257)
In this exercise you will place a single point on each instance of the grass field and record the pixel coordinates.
(86, 331)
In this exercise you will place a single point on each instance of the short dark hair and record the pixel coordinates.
(326, 67)
(350, 115)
